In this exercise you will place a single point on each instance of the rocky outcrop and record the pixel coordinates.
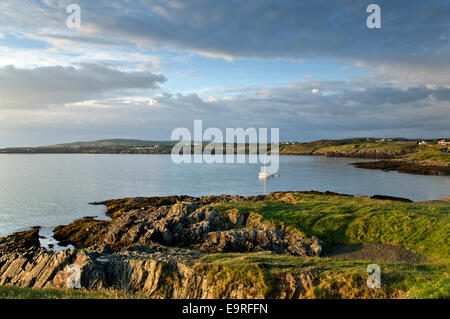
(393, 198)
(188, 225)
(156, 271)
(116, 207)
(20, 241)
(259, 240)
(156, 274)
(407, 166)
(156, 250)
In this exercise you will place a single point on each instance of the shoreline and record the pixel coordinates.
(180, 242)
(407, 167)
(381, 162)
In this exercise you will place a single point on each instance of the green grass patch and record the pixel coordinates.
(329, 278)
(350, 145)
(424, 226)
(13, 292)
(430, 153)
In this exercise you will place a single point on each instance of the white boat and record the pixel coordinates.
(264, 172)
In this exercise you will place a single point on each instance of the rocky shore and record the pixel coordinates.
(401, 156)
(151, 246)
(188, 247)
(407, 166)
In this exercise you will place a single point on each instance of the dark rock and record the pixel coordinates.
(81, 233)
(187, 224)
(258, 240)
(398, 199)
(405, 166)
(20, 241)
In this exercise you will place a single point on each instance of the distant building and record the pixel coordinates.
(423, 143)
(443, 142)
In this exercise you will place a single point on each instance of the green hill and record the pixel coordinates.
(109, 143)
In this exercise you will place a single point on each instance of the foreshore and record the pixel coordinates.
(282, 245)
(408, 166)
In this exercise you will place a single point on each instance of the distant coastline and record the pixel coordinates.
(427, 157)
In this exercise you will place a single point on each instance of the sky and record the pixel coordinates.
(140, 69)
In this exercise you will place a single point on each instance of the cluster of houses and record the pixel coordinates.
(441, 142)
(140, 148)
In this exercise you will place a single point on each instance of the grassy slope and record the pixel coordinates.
(430, 153)
(110, 143)
(336, 279)
(347, 145)
(424, 226)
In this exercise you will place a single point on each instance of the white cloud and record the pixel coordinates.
(56, 85)
(350, 109)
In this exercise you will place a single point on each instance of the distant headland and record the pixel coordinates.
(416, 156)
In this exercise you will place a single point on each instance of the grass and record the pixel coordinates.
(261, 274)
(331, 278)
(351, 145)
(413, 151)
(13, 292)
(424, 227)
(431, 153)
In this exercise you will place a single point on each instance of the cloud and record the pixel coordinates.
(343, 109)
(56, 85)
(414, 35)
(413, 40)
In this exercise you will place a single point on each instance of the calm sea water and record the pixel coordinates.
(49, 189)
